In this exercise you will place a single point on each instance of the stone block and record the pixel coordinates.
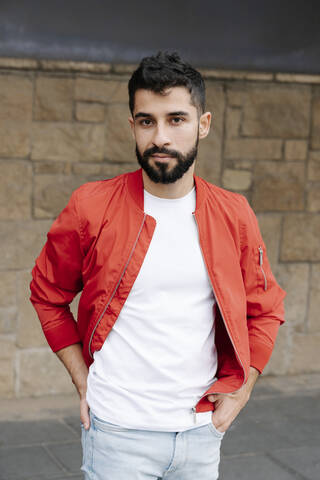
(103, 170)
(294, 279)
(8, 289)
(120, 94)
(253, 149)
(277, 364)
(270, 228)
(87, 169)
(42, 373)
(314, 171)
(95, 90)
(240, 164)
(236, 179)
(120, 146)
(278, 186)
(233, 122)
(68, 142)
(14, 138)
(15, 115)
(53, 98)
(7, 373)
(278, 111)
(15, 190)
(29, 331)
(8, 320)
(304, 353)
(313, 199)
(52, 193)
(300, 242)
(90, 112)
(52, 167)
(8, 302)
(209, 159)
(236, 94)
(315, 131)
(313, 322)
(110, 170)
(15, 98)
(296, 150)
(314, 156)
(21, 243)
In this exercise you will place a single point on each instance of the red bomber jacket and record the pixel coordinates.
(98, 243)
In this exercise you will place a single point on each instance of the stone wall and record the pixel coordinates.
(65, 123)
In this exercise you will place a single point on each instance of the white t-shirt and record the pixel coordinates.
(160, 356)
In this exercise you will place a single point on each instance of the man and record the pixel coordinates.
(179, 309)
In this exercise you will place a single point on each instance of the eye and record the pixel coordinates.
(145, 122)
(177, 120)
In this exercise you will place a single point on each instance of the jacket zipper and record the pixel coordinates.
(261, 267)
(225, 324)
(116, 287)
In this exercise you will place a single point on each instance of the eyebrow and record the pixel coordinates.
(179, 113)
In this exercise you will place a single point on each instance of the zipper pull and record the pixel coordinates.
(261, 267)
(194, 414)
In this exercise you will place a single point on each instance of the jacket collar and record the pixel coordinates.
(135, 187)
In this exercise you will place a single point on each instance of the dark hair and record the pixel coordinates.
(158, 72)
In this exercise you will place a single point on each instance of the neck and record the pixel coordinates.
(178, 189)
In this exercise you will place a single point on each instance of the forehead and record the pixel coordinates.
(171, 100)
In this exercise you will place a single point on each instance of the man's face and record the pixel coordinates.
(166, 130)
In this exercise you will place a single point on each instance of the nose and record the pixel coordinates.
(160, 137)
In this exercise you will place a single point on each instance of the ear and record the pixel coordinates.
(131, 122)
(204, 124)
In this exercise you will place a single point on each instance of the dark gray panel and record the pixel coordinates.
(263, 35)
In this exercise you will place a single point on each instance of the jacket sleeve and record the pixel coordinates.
(56, 279)
(264, 297)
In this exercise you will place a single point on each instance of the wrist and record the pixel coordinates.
(81, 387)
(252, 378)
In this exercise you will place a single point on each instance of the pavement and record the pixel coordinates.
(275, 437)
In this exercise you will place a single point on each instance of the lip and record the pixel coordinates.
(161, 157)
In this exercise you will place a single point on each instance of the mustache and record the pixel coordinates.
(165, 151)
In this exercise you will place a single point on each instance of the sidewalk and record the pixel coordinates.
(275, 437)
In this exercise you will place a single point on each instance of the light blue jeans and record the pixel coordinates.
(118, 453)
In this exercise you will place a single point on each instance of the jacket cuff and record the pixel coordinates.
(260, 354)
(62, 335)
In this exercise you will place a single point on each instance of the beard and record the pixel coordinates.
(161, 172)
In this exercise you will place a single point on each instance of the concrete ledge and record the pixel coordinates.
(126, 69)
(70, 66)
(19, 63)
(297, 78)
(237, 75)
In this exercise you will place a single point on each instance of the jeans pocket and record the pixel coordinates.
(104, 426)
(215, 431)
(87, 443)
